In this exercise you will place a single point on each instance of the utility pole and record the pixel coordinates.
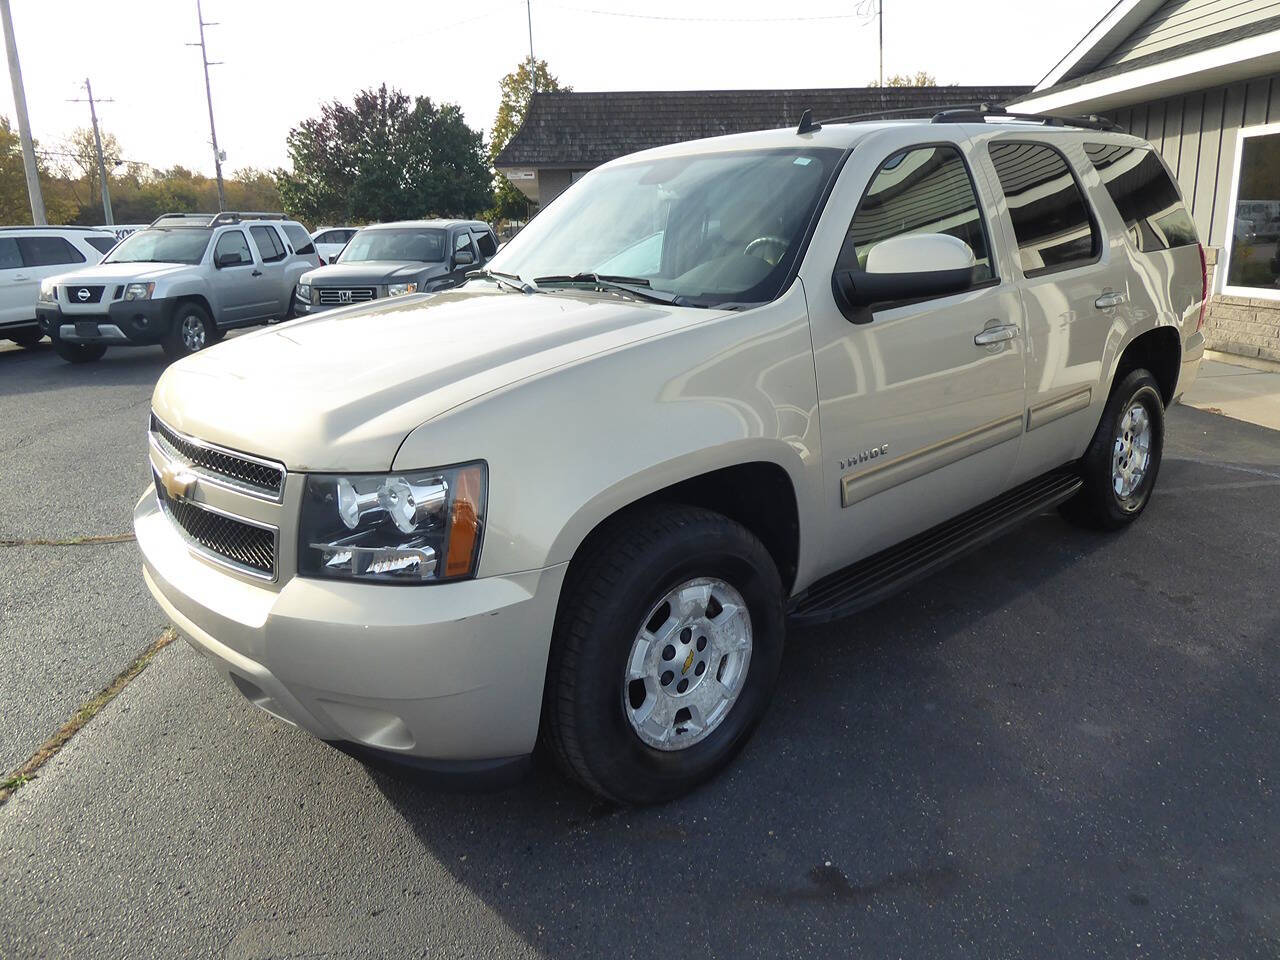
(97, 145)
(533, 63)
(208, 92)
(880, 17)
(24, 125)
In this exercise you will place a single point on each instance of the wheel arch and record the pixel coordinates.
(1159, 351)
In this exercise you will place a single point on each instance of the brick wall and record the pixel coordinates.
(1245, 326)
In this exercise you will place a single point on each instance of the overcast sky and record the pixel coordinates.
(282, 59)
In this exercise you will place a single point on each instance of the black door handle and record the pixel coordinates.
(256, 273)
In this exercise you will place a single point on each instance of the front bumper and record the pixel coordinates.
(437, 675)
(122, 323)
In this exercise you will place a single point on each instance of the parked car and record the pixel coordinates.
(329, 241)
(580, 506)
(182, 283)
(394, 259)
(28, 255)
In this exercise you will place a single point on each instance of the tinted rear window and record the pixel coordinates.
(1051, 220)
(101, 244)
(302, 243)
(1139, 185)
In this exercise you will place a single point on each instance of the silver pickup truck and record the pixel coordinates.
(181, 283)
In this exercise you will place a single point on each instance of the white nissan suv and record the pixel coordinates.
(713, 388)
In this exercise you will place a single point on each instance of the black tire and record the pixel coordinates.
(1099, 505)
(620, 574)
(178, 344)
(78, 352)
(28, 339)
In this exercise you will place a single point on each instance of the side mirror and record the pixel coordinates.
(228, 260)
(464, 257)
(333, 258)
(908, 267)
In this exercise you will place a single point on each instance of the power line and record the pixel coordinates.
(208, 92)
(97, 146)
(654, 16)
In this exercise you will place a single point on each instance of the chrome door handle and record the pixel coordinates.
(256, 273)
(19, 277)
(990, 335)
(1109, 300)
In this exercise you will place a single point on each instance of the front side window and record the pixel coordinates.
(918, 190)
(462, 243)
(708, 228)
(1254, 264)
(415, 244)
(179, 245)
(48, 251)
(1145, 196)
(1051, 220)
(232, 244)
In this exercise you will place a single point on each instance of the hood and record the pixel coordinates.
(120, 272)
(341, 390)
(372, 272)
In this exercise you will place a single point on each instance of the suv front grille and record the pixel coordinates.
(83, 294)
(333, 296)
(224, 539)
(238, 470)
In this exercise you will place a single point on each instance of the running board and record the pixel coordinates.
(867, 582)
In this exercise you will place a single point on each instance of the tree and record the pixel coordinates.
(386, 157)
(517, 92)
(919, 79)
(15, 205)
(80, 162)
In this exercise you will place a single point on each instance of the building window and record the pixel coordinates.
(1253, 257)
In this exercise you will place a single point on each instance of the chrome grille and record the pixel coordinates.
(333, 296)
(224, 539)
(241, 471)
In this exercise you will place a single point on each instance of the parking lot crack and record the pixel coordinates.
(69, 541)
(49, 749)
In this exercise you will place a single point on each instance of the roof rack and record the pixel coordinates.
(980, 115)
(218, 219)
(54, 226)
(921, 113)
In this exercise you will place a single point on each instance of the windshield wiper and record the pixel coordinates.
(636, 286)
(512, 280)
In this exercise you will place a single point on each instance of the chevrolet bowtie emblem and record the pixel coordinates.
(688, 662)
(176, 480)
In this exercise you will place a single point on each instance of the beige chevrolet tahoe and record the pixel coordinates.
(713, 389)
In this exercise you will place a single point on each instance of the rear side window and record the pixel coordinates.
(487, 247)
(918, 190)
(48, 251)
(10, 255)
(1148, 201)
(101, 244)
(1051, 220)
(269, 246)
(302, 244)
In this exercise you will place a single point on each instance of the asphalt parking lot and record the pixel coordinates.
(1065, 746)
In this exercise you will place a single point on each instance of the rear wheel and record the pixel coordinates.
(27, 339)
(192, 331)
(1123, 459)
(665, 654)
(78, 352)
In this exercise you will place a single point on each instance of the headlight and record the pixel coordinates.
(400, 289)
(48, 290)
(417, 526)
(139, 291)
(304, 292)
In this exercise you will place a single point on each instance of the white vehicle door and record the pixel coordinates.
(271, 252)
(920, 402)
(15, 284)
(43, 255)
(238, 281)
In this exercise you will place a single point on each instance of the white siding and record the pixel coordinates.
(1182, 21)
(1196, 133)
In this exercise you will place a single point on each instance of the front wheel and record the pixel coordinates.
(192, 331)
(1120, 466)
(665, 653)
(27, 339)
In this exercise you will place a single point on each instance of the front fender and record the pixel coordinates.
(571, 446)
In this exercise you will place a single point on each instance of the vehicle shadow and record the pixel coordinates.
(39, 370)
(964, 769)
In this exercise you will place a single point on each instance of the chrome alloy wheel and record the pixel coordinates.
(194, 333)
(1131, 455)
(688, 664)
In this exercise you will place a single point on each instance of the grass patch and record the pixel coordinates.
(70, 541)
(49, 749)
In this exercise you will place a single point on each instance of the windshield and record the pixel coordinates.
(423, 244)
(183, 245)
(708, 228)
